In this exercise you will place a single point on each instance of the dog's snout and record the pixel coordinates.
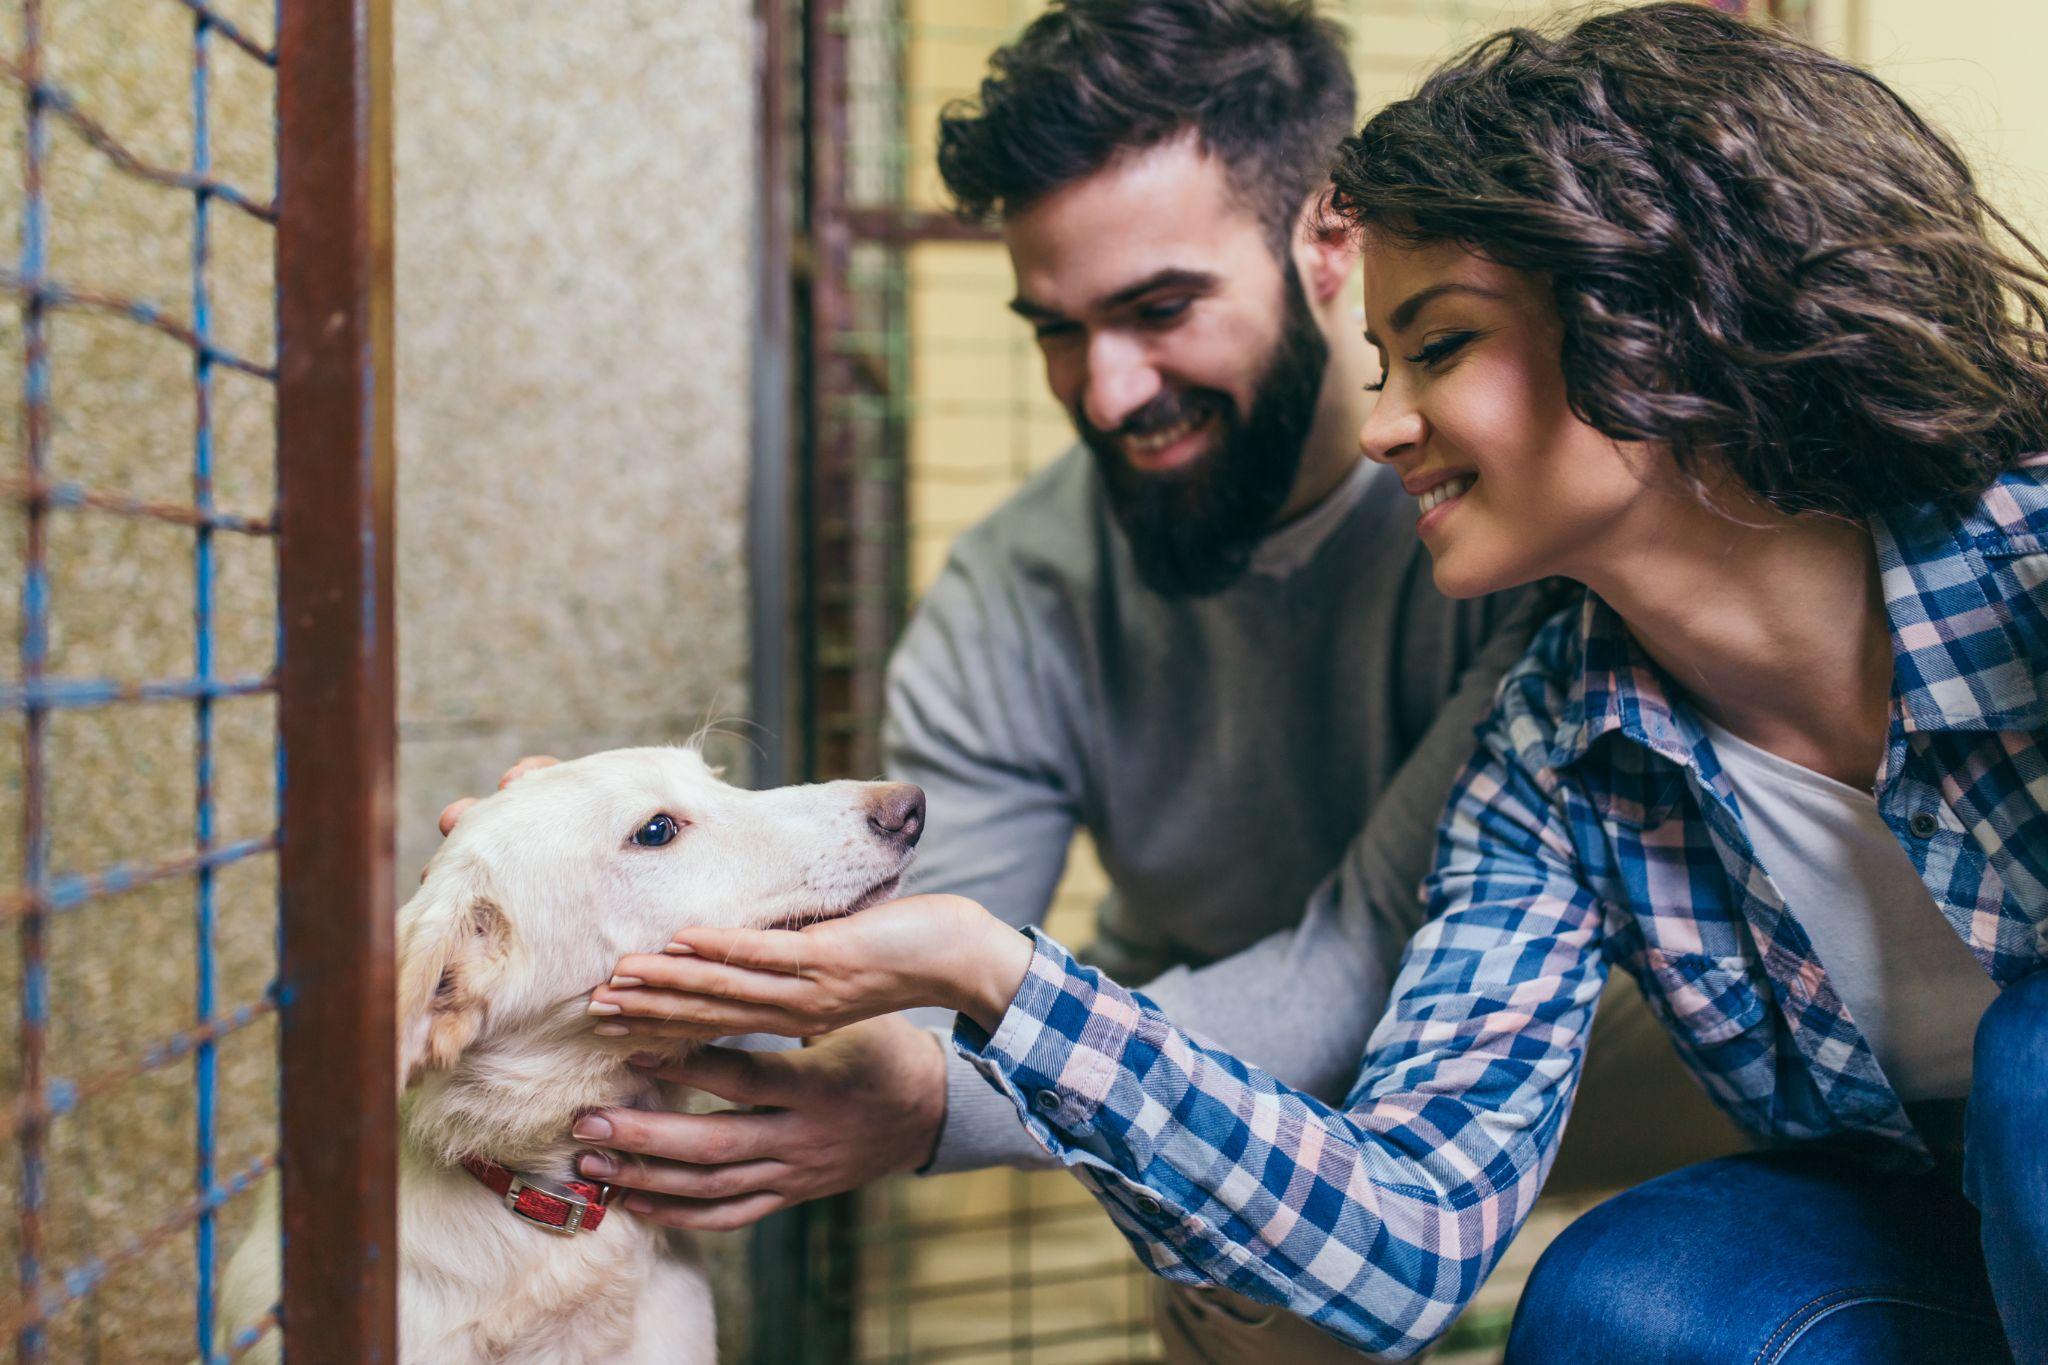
(896, 812)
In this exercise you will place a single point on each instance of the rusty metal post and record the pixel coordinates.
(339, 1144)
(831, 599)
(772, 505)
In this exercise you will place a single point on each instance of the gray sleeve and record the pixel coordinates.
(974, 717)
(1301, 1003)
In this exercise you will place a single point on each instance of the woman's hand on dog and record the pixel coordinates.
(921, 950)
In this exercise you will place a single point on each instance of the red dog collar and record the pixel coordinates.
(567, 1207)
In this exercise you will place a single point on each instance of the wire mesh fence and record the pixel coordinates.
(145, 865)
(140, 990)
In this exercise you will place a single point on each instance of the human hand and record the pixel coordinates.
(452, 812)
(921, 950)
(859, 1104)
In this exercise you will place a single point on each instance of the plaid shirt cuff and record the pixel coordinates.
(1059, 1048)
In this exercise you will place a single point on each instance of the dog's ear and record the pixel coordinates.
(453, 940)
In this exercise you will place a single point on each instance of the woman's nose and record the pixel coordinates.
(1392, 428)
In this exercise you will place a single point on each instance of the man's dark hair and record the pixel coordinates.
(1264, 84)
(1759, 253)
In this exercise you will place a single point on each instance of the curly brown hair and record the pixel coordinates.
(1760, 254)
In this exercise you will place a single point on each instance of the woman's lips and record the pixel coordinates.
(1437, 501)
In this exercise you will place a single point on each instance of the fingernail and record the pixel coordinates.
(598, 1166)
(604, 1007)
(592, 1128)
(639, 1203)
(627, 981)
(611, 1030)
(680, 950)
(644, 1059)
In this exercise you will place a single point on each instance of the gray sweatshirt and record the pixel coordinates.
(1261, 770)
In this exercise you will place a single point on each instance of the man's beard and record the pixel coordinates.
(1192, 531)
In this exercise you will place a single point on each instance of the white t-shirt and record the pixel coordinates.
(1911, 984)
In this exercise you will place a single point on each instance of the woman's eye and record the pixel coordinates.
(655, 832)
(1441, 349)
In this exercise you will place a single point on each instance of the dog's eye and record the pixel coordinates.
(655, 832)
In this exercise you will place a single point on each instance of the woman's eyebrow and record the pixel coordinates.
(1405, 312)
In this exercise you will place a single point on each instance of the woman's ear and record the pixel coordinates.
(453, 941)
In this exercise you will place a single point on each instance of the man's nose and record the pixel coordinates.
(896, 813)
(1120, 381)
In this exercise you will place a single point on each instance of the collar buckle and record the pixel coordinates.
(564, 1208)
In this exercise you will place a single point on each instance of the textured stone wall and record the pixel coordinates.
(574, 207)
(575, 203)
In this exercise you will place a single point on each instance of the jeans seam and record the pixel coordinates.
(1803, 1319)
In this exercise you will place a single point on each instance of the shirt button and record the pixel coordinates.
(1047, 1102)
(1923, 825)
(1148, 1206)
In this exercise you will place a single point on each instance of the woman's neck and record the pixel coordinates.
(1772, 625)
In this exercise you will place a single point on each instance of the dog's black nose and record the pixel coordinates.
(896, 812)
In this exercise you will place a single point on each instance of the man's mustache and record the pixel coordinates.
(1165, 409)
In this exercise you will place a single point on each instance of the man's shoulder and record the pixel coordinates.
(1052, 524)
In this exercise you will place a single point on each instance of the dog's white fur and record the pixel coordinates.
(535, 895)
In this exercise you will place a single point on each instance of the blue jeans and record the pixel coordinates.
(1810, 1257)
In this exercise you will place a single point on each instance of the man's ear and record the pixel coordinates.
(1325, 250)
(453, 941)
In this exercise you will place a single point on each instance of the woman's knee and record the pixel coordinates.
(2009, 1084)
(1696, 1266)
(2014, 1028)
(1602, 1290)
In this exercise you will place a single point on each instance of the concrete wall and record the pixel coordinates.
(574, 212)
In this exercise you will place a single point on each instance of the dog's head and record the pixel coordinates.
(543, 886)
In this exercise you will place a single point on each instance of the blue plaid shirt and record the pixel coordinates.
(1594, 828)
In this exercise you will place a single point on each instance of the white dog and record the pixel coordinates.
(537, 893)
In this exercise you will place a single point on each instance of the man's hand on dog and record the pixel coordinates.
(857, 1105)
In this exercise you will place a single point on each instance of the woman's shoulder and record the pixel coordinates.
(1981, 573)
(2012, 516)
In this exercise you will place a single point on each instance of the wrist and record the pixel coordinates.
(1001, 957)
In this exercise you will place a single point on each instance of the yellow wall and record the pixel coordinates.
(1973, 67)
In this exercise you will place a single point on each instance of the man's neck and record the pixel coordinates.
(1331, 451)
